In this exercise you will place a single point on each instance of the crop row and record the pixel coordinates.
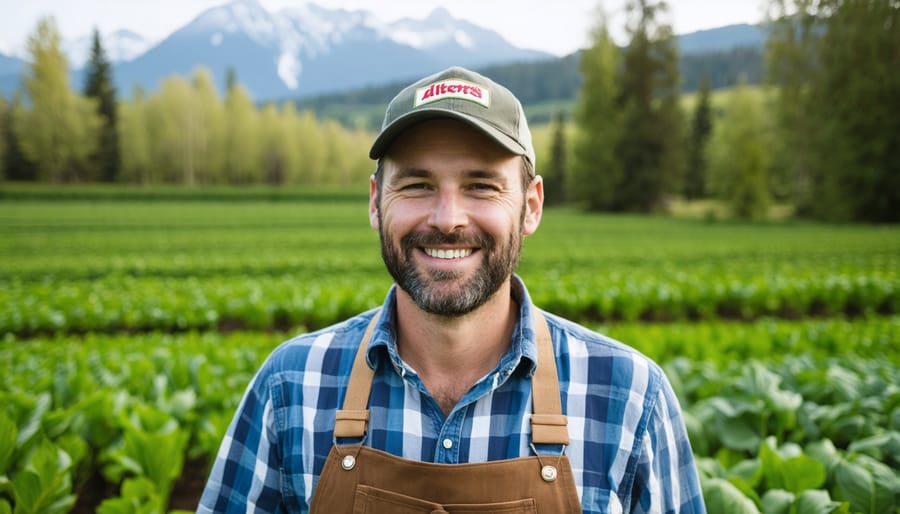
(113, 421)
(142, 304)
(800, 435)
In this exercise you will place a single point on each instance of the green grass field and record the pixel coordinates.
(131, 326)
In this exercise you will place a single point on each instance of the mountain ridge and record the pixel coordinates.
(308, 51)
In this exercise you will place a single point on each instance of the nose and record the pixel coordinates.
(448, 213)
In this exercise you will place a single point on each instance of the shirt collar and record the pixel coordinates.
(522, 352)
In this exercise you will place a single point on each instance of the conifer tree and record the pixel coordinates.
(555, 177)
(99, 85)
(651, 142)
(701, 126)
(835, 65)
(595, 173)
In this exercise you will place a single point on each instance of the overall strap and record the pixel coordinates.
(548, 424)
(351, 421)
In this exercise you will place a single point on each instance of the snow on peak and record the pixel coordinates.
(439, 28)
(119, 46)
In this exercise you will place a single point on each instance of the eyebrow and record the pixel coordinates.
(406, 173)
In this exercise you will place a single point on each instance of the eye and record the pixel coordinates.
(483, 187)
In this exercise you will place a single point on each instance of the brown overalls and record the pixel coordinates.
(361, 480)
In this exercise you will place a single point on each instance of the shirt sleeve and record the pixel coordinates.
(246, 476)
(666, 480)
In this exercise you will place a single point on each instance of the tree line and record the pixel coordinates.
(183, 133)
(822, 135)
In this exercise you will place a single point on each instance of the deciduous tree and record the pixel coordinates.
(739, 157)
(56, 128)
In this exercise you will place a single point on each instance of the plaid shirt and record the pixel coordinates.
(628, 449)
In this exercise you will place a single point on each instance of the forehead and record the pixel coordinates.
(443, 139)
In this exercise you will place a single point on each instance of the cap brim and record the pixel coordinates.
(388, 135)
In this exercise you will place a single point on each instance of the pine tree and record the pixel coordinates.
(555, 176)
(651, 142)
(595, 173)
(701, 126)
(99, 85)
(835, 65)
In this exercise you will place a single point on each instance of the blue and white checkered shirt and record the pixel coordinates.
(628, 449)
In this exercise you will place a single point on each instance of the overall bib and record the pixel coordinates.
(361, 480)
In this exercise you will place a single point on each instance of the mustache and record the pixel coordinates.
(435, 238)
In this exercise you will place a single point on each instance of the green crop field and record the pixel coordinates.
(130, 328)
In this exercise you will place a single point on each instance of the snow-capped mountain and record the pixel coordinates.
(311, 49)
(119, 46)
(293, 52)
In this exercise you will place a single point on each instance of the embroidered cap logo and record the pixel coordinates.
(453, 88)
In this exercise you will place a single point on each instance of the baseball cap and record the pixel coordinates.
(460, 94)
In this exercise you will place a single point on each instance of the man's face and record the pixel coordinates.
(451, 214)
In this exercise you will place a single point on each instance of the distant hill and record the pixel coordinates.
(722, 38)
(726, 55)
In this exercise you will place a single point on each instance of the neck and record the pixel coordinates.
(450, 354)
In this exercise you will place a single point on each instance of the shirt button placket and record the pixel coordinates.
(449, 437)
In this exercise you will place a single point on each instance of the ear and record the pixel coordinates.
(373, 202)
(534, 205)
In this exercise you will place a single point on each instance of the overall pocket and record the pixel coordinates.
(371, 500)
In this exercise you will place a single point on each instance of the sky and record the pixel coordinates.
(555, 26)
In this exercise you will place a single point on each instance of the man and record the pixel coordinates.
(458, 394)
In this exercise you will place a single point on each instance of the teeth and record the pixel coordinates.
(448, 254)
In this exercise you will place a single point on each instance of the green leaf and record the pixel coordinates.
(777, 501)
(27, 490)
(857, 485)
(722, 496)
(32, 423)
(817, 502)
(878, 447)
(4, 507)
(869, 486)
(825, 452)
(789, 469)
(138, 496)
(8, 433)
(739, 434)
(44, 486)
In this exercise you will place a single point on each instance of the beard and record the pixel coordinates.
(433, 291)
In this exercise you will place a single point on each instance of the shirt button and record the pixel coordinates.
(447, 443)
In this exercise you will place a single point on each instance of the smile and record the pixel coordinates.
(455, 253)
